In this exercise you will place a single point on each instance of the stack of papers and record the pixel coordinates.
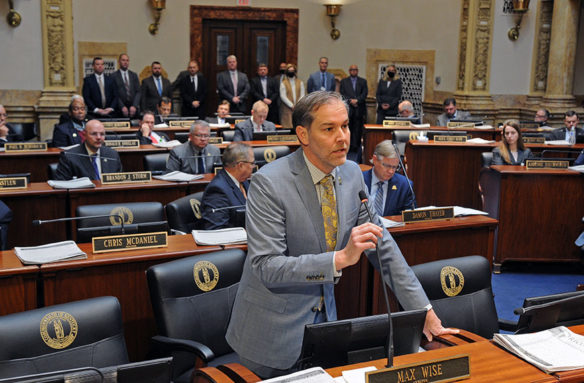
(78, 183)
(579, 168)
(558, 142)
(231, 236)
(177, 176)
(311, 375)
(387, 223)
(226, 125)
(169, 144)
(163, 125)
(52, 252)
(479, 141)
(421, 126)
(556, 349)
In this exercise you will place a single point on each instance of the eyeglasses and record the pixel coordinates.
(248, 162)
(390, 167)
(202, 136)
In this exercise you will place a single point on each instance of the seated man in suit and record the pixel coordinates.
(195, 156)
(228, 190)
(451, 112)
(406, 109)
(71, 132)
(257, 123)
(164, 109)
(7, 133)
(5, 219)
(146, 134)
(99, 91)
(389, 193)
(541, 117)
(91, 159)
(570, 132)
(222, 112)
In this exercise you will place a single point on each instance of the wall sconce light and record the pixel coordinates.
(332, 11)
(13, 18)
(520, 8)
(159, 6)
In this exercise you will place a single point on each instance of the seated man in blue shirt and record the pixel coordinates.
(389, 193)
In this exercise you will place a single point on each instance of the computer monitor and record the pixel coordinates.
(433, 133)
(262, 136)
(348, 341)
(541, 313)
(85, 234)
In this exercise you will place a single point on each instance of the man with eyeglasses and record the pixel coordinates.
(389, 193)
(90, 159)
(195, 156)
(223, 203)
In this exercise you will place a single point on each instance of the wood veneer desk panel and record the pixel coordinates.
(18, 284)
(540, 212)
(120, 274)
(423, 242)
(37, 201)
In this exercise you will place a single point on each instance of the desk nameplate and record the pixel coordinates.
(282, 138)
(129, 177)
(534, 140)
(439, 370)
(450, 138)
(129, 242)
(546, 164)
(409, 216)
(460, 124)
(116, 124)
(400, 123)
(122, 144)
(181, 123)
(216, 140)
(11, 147)
(12, 183)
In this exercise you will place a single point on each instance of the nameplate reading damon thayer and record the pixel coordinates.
(439, 370)
(400, 123)
(450, 138)
(409, 216)
(118, 178)
(122, 143)
(11, 183)
(116, 124)
(546, 164)
(282, 138)
(25, 147)
(129, 242)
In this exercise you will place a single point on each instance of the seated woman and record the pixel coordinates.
(511, 150)
(146, 134)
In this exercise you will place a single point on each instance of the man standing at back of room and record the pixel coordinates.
(193, 91)
(154, 88)
(127, 88)
(266, 89)
(354, 89)
(233, 86)
(99, 91)
(321, 79)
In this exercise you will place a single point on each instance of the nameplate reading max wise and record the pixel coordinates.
(129, 242)
(443, 370)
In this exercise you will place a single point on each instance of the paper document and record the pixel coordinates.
(484, 127)
(387, 223)
(167, 144)
(357, 375)
(311, 375)
(479, 141)
(78, 183)
(178, 176)
(421, 126)
(556, 349)
(68, 147)
(52, 252)
(558, 142)
(163, 125)
(579, 168)
(226, 125)
(231, 236)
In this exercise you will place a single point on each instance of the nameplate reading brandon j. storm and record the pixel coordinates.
(130, 177)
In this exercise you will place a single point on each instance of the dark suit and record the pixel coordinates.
(5, 219)
(181, 158)
(244, 130)
(522, 155)
(12, 136)
(357, 114)
(580, 159)
(221, 192)
(212, 120)
(149, 97)
(65, 134)
(399, 197)
(225, 89)
(443, 119)
(148, 140)
(388, 95)
(188, 95)
(273, 89)
(73, 165)
(315, 81)
(131, 98)
(92, 94)
(560, 134)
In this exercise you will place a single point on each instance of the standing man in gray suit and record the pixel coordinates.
(195, 156)
(321, 80)
(257, 123)
(305, 224)
(128, 88)
(233, 86)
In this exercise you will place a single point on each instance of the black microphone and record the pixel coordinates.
(407, 178)
(227, 208)
(389, 345)
(37, 222)
(68, 153)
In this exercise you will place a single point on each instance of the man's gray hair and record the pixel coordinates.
(199, 124)
(385, 149)
(230, 57)
(303, 114)
(234, 153)
(406, 105)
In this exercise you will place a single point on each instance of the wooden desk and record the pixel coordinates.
(540, 213)
(18, 284)
(120, 274)
(574, 376)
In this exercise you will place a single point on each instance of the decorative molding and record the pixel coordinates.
(482, 51)
(462, 44)
(541, 47)
(57, 30)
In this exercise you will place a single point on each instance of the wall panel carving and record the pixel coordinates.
(541, 49)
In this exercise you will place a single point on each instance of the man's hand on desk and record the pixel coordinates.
(433, 326)
(363, 237)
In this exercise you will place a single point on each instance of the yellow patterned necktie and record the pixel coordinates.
(329, 212)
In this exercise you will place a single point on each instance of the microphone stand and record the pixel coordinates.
(38, 222)
(407, 178)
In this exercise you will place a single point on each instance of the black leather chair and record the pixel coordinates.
(139, 217)
(26, 130)
(181, 136)
(52, 170)
(264, 155)
(228, 134)
(487, 158)
(401, 137)
(461, 294)
(156, 163)
(85, 333)
(192, 313)
(184, 214)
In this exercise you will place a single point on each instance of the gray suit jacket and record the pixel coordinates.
(181, 158)
(244, 130)
(225, 89)
(287, 262)
(133, 99)
(460, 115)
(314, 82)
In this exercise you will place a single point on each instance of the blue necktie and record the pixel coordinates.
(95, 167)
(201, 164)
(159, 86)
(378, 202)
(323, 80)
